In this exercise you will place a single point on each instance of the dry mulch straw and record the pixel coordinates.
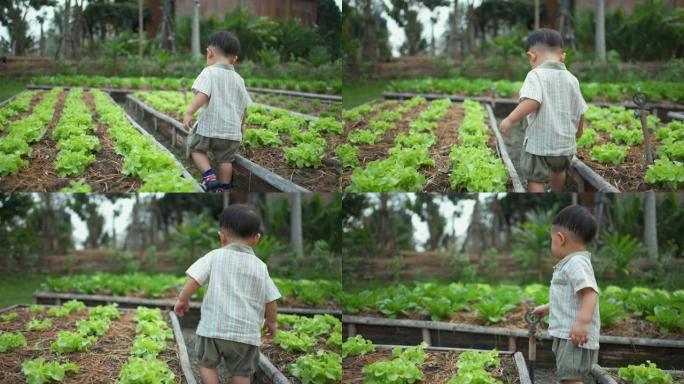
(101, 364)
(438, 368)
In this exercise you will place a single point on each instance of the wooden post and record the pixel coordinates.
(647, 139)
(351, 330)
(426, 336)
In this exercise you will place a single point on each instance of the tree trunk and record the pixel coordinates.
(49, 244)
(195, 29)
(369, 43)
(296, 237)
(650, 229)
(601, 30)
(65, 28)
(141, 38)
(536, 14)
(384, 233)
(453, 36)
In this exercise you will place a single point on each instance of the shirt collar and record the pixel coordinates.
(567, 258)
(229, 67)
(553, 64)
(239, 248)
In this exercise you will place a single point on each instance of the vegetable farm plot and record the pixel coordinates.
(416, 145)
(73, 343)
(306, 349)
(332, 87)
(665, 93)
(368, 363)
(80, 141)
(302, 293)
(613, 146)
(313, 107)
(637, 323)
(646, 373)
(295, 147)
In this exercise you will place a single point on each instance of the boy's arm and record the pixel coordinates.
(183, 303)
(523, 109)
(542, 310)
(579, 334)
(199, 100)
(272, 318)
(580, 127)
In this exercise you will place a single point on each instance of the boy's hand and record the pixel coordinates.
(505, 126)
(579, 333)
(181, 308)
(187, 121)
(542, 310)
(271, 329)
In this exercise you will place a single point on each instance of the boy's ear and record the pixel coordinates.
(562, 57)
(532, 56)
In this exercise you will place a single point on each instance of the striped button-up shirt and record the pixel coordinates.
(570, 275)
(237, 292)
(552, 128)
(221, 117)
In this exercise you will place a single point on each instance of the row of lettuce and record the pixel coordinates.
(152, 336)
(612, 92)
(156, 286)
(78, 145)
(331, 86)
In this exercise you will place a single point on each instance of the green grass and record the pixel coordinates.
(11, 86)
(357, 92)
(18, 290)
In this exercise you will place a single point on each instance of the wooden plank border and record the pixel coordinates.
(589, 175)
(185, 365)
(518, 333)
(503, 152)
(268, 373)
(602, 375)
(252, 169)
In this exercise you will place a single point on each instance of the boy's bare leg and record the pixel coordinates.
(225, 172)
(241, 380)
(201, 161)
(209, 375)
(535, 186)
(558, 181)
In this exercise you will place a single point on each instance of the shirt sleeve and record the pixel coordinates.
(581, 274)
(200, 270)
(582, 105)
(246, 100)
(203, 83)
(272, 292)
(531, 88)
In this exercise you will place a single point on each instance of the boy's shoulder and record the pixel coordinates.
(579, 260)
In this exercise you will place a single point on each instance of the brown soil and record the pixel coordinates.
(628, 176)
(438, 368)
(105, 174)
(34, 100)
(515, 319)
(40, 174)
(677, 378)
(322, 179)
(281, 359)
(291, 302)
(110, 351)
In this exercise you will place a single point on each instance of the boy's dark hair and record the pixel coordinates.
(546, 37)
(241, 220)
(226, 42)
(577, 220)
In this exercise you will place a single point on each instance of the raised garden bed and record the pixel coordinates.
(664, 96)
(279, 151)
(646, 373)
(416, 145)
(106, 340)
(306, 347)
(432, 365)
(636, 324)
(313, 107)
(613, 146)
(82, 141)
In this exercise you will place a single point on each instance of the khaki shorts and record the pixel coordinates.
(539, 168)
(573, 362)
(241, 359)
(222, 150)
